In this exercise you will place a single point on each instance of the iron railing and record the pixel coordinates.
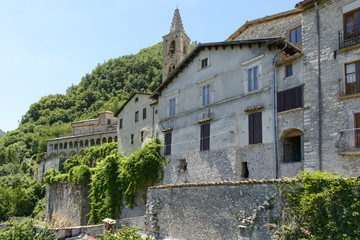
(348, 139)
(349, 36)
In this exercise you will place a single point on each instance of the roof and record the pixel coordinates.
(176, 22)
(262, 20)
(127, 101)
(303, 4)
(278, 41)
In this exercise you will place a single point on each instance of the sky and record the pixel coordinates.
(48, 45)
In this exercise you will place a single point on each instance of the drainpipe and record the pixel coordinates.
(276, 157)
(319, 83)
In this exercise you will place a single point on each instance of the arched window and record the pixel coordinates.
(104, 140)
(293, 146)
(92, 142)
(172, 46)
(98, 142)
(76, 144)
(171, 67)
(86, 143)
(71, 145)
(185, 47)
(81, 143)
(115, 139)
(110, 139)
(61, 146)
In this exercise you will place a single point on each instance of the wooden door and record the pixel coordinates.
(357, 129)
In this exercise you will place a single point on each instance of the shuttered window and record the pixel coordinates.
(205, 137)
(255, 128)
(167, 144)
(290, 99)
(144, 113)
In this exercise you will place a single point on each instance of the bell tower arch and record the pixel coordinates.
(176, 45)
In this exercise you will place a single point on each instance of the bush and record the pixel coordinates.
(25, 230)
(321, 205)
(125, 233)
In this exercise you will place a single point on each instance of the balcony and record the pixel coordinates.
(349, 36)
(351, 87)
(348, 142)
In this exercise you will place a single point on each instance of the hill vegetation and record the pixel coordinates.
(2, 133)
(106, 88)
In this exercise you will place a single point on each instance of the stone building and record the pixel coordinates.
(330, 68)
(137, 120)
(86, 133)
(216, 118)
(176, 45)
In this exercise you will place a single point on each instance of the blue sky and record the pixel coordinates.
(47, 45)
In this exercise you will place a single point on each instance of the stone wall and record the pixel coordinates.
(67, 205)
(214, 211)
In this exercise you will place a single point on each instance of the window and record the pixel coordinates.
(288, 70)
(172, 47)
(290, 99)
(136, 99)
(255, 128)
(204, 63)
(292, 146)
(136, 116)
(351, 26)
(132, 139)
(352, 72)
(142, 136)
(182, 165)
(80, 132)
(253, 78)
(108, 121)
(205, 137)
(244, 170)
(144, 113)
(206, 95)
(121, 123)
(172, 107)
(167, 144)
(295, 35)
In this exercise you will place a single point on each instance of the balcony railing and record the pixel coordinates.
(348, 141)
(350, 84)
(349, 36)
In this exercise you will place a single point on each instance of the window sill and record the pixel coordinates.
(292, 162)
(354, 95)
(204, 68)
(291, 110)
(350, 152)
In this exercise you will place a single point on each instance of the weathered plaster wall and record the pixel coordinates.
(129, 126)
(214, 211)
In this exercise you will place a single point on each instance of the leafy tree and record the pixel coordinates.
(124, 233)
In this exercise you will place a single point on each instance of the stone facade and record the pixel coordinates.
(67, 205)
(176, 45)
(137, 120)
(277, 25)
(86, 133)
(214, 211)
(334, 116)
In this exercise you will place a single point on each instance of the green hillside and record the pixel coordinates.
(2, 133)
(106, 88)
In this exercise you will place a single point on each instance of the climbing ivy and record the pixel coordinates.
(116, 179)
(321, 205)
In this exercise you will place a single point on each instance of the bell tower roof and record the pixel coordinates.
(176, 22)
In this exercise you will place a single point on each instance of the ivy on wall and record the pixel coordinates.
(321, 205)
(115, 177)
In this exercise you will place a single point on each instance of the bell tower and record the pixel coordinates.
(176, 45)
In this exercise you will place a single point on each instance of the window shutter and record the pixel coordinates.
(251, 129)
(167, 150)
(250, 80)
(257, 127)
(205, 137)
